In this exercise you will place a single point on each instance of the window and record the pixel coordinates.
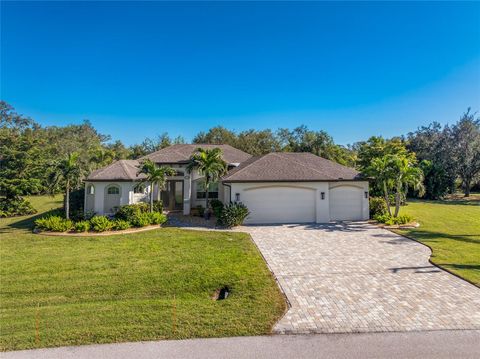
(139, 189)
(90, 189)
(212, 192)
(113, 190)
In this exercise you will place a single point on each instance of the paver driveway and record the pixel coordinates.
(361, 278)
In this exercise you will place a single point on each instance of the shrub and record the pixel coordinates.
(101, 223)
(390, 220)
(77, 198)
(54, 224)
(120, 224)
(217, 207)
(17, 206)
(157, 218)
(200, 210)
(82, 226)
(129, 211)
(158, 206)
(233, 214)
(378, 206)
(141, 220)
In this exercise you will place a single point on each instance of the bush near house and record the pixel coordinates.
(101, 224)
(378, 206)
(120, 224)
(54, 224)
(233, 214)
(82, 226)
(217, 207)
(391, 220)
(130, 211)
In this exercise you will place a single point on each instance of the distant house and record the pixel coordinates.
(277, 187)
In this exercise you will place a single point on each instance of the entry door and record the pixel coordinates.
(172, 197)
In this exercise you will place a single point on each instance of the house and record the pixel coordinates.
(276, 187)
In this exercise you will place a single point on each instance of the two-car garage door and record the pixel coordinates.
(296, 204)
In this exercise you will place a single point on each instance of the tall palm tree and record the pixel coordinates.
(406, 175)
(67, 174)
(381, 171)
(210, 164)
(155, 175)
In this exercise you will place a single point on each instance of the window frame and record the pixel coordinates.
(117, 188)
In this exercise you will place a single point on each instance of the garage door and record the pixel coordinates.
(345, 203)
(280, 205)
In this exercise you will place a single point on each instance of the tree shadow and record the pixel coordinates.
(417, 269)
(341, 226)
(461, 266)
(28, 223)
(430, 236)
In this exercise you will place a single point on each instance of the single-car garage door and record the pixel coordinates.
(345, 203)
(280, 204)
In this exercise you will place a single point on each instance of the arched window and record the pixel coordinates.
(90, 189)
(113, 190)
(139, 189)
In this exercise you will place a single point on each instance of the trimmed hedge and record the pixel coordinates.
(390, 220)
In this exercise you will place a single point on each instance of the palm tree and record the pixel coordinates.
(210, 164)
(405, 176)
(381, 171)
(67, 174)
(155, 175)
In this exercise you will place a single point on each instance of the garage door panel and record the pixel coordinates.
(346, 203)
(280, 205)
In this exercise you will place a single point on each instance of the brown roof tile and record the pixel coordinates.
(181, 153)
(122, 170)
(288, 166)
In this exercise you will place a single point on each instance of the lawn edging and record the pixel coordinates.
(394, 230)
(95, 234)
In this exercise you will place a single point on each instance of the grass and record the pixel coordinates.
(143, 286)
(452, 230)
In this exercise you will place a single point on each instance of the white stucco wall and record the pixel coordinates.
(255, 192)
(127, 195)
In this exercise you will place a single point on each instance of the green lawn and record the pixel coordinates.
(143, 286)
(452, 230)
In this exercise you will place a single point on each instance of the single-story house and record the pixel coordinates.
(276, 187)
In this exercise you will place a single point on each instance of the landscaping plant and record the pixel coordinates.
(82, 226)
(120, 224)
(54, 224)
(233, 214)
(377, 206)
(101, 224)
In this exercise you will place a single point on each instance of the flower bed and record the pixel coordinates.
(130, 216)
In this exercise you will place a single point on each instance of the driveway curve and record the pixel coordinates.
(342, 278)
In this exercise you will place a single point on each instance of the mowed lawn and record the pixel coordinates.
(145, 286)
(452, 230)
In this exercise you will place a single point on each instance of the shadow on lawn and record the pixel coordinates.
(26, 223)
(429, 236)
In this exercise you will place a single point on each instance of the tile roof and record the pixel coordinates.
(181, 153)
(122, 170)
(288, 166)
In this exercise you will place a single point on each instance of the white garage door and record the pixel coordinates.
(345, 203)
(280, 205)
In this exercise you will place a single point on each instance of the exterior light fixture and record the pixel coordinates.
(366, 194)
(322, 195)
(237, 197)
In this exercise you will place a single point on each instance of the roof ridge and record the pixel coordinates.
(301, 164)
(123, 165)
(253, 158)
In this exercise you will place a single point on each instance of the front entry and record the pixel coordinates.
(172, 197)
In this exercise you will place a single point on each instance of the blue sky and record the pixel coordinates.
(139, 69)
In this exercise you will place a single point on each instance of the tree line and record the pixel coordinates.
(31, 154)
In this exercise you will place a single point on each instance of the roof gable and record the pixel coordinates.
(122, 170)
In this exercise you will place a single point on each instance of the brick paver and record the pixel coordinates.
(361, 278)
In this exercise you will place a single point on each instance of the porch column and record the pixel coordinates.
(187, 193)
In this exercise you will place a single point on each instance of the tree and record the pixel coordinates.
(395, 173)
(465, 139)
(433, 148)
(66, 174)
(405, 175)
(218, 135)
(155, 175)
(257, 143)
(210, 164)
